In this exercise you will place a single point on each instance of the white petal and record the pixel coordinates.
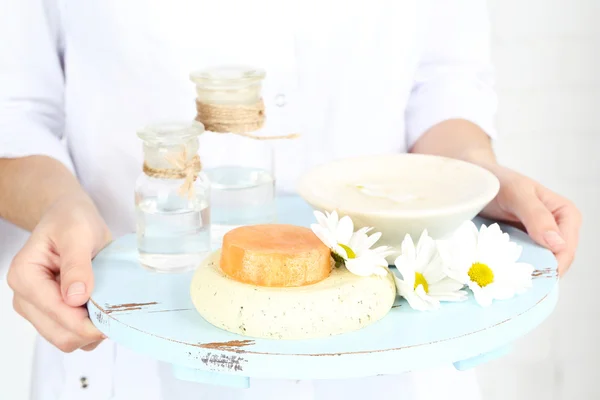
(324, 235)
(383, 249)
(415, 302)
(514, 275)
(446, 285)
(407, 271)
(469, 228)
(382, 257)
(422, 239)
(344, 230)
(373, 239)
(356, 242)
(408, 248)
(499, 292)
(402, 286)
(494, 234)
(481, 295)
(456, 259)
(465, 244)
(332, 220)
(513, 252)
(502, 253)
(419, 300)
(426, 249)
(364, 230)
(434, 271)
(374, 259)
(321, 219)
(461, 295)
(450, 266)
(359, 267)
(401, 262)
(432, 304)
(461, 277)
(444, 248)
(526, 268)
(495, 246)
(428, 258)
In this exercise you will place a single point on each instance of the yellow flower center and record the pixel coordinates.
(420, 280)
(349, 252)
(481, 274)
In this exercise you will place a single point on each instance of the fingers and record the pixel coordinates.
(91, 346)
(539, 222)
(43, 292)
(52, 275)
(52, 331)
(76, 276)
(569, 219)
(550, 220)
(36, 285)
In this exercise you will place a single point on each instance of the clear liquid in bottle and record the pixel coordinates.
(173, 233)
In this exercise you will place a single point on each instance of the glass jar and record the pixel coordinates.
(172, 198)
(238, 161)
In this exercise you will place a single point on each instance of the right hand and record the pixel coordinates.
(52, 274)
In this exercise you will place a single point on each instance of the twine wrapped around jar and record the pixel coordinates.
(240, 119)
(184, 169)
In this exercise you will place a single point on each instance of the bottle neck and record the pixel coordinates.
(165, 155)
(233, 96)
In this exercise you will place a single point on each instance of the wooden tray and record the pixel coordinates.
(152, 314)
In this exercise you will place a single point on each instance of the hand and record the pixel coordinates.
(52, 275)
(550, 219)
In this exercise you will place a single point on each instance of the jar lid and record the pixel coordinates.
(171, 132)
(227, 76)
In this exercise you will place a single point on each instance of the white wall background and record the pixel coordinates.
(546, 53)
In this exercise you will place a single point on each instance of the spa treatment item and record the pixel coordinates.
(172, 199)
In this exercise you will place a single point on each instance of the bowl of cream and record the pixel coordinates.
(399, 194)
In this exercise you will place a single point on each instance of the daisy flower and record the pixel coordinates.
(349, 248)
(334, 232)
(424, 283)
(486, 261)
(361, 260)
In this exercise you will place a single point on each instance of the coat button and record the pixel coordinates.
(84, 382)
(280, 100)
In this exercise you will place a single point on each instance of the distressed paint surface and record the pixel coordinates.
(153, 314)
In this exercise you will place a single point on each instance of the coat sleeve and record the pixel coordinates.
(31, 81)
(31, 94)
(454, 78)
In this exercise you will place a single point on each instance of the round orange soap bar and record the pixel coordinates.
(275, 255)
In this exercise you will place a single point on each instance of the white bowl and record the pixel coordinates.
(417, 192)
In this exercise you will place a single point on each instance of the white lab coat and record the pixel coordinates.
(354, 77)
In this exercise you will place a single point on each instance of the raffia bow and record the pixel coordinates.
(184, 169)
(189, 168)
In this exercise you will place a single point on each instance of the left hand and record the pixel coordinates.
(551, 220)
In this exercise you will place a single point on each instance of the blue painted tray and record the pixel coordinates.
(152, 314)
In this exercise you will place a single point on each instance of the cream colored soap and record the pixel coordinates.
(341, 303)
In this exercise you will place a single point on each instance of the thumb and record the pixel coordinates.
(76, 277)
(540, 223)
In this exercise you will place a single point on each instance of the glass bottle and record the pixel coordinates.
(172, 198)
(239, 161)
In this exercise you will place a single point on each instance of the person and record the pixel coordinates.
(355, 78)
